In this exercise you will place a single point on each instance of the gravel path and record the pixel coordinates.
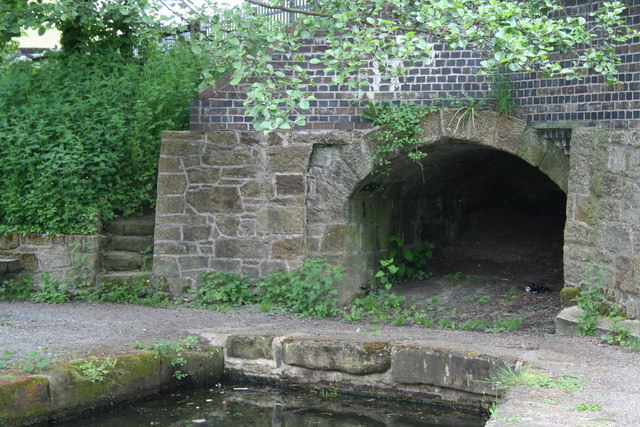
(78, 329)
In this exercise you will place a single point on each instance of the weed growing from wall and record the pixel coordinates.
(400, 129)
(502, 88)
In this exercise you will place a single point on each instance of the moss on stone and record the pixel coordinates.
(23, 398)
(376, 347)
(568, 294)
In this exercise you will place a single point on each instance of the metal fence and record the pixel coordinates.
(273, 16)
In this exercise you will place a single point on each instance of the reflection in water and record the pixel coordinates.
(259, 406)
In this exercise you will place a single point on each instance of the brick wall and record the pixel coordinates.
(452, 72)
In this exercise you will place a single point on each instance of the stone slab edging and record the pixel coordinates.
(566, 323)
(439, 372)
(63, 391)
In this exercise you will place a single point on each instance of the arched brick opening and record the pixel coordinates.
(490, 194)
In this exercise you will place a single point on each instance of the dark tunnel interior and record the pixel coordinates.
(488, 212)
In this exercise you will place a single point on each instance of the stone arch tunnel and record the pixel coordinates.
(251, 203)
(487, 211)
(490, 195)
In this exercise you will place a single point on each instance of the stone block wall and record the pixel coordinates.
(229, 201)
(603, 213)
(55, 255)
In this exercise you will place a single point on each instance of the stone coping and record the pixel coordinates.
(63, 391)
(567, 321)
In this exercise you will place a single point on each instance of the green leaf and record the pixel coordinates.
(236, 78)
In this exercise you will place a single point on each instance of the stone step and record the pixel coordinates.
(9, 265)
(136, 244)
(126, 261)
(119, 277)
(132, 226)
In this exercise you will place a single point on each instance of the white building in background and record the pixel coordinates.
(32, 42)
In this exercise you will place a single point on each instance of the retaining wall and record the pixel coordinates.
(59, 255)
(457, 377)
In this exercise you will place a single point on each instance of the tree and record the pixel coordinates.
(531, 35)
(120, 25)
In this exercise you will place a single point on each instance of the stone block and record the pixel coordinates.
(269, 267)
(196, 233)
(241, 172)
(288, 248)
(203, 367)
(228, 225)
(24, 399)
(222, 137)
(215, 155)
(28, 261)
(165, 266)
(247, 228)
(227, 265)
(122, 261)
(567, 321)
(469, 372)
(53, 258)
(35, 239)
(338, 238)
(251, 138)
(171, 185)
(256, 189)
(170, 165)
(200, 263)
(168, 232)
(627, 276)
(288, 159)
(176, 219)
(130, 243)
(250, 346)
(290, 185)
(9, 241)
(170, 205)
(241, 248)
(134, 226)
(199, 175)
(281, 220)
(356, 358)
(179, 148)
(214, 200)
(616, 236)
(175, 248)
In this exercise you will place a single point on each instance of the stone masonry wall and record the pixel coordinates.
(229, 201)
(603, 213)
(55, 255)
(451, 74)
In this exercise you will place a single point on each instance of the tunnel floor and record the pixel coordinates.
(483, 274)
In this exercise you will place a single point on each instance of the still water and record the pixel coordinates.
(257, 406)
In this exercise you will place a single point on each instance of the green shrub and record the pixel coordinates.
(16, 290)
(80, 135)
(138, 291)
(50, 291)
(223, 288)
(309, 290)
